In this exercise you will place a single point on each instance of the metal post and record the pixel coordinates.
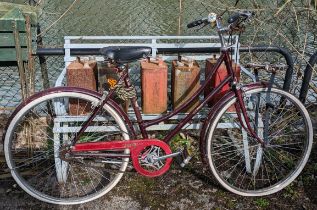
(19, 59)
(42, 59)
(31, 69)
(307, 77)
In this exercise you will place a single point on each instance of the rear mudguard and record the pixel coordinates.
(95, 94)
(215, 110)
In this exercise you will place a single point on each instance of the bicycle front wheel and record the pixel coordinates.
(240, 163)
(34, 144)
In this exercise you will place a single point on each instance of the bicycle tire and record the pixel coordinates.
(237, 160)
(36, 165)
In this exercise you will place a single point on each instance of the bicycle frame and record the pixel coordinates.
(231, 79)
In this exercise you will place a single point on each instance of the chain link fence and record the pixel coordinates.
(285, 23)
(289, 24)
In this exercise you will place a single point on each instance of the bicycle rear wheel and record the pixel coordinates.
(240, 163)
(34, 147)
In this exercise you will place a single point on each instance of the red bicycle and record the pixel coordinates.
(65, 158)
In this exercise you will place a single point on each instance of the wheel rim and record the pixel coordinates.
(83, 183)
(242, 167)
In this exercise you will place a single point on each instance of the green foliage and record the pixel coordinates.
(179, 141)
(308, 175)
(262, 202)
(84, 138)
(290, 192)
(160, 136)
(231, 204)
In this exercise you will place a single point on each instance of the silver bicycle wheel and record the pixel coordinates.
(34, 144)
(240, 163)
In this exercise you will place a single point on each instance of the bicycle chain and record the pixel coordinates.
(91, 164)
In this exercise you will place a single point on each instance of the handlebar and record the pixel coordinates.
(234, 21)
(240, 16)
(212, 17)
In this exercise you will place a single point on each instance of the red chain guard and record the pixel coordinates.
(135, 147)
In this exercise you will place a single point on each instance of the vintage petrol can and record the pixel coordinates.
(93, 64)
(107, 79)
(185, 82)
(107, 76)
(217, 78)
(210, 63)
(80, 75)
(154, 86)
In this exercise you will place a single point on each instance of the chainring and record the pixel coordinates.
(145, 161)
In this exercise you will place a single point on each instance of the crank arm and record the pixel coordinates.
(167, 156)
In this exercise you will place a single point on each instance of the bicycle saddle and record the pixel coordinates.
(125, 54)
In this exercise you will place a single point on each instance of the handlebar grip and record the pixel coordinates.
(195, 23)
(234, 18)
(245, 15)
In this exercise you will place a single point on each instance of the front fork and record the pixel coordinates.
(245, 123)
(242, 114)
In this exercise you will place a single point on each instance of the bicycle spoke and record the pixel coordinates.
(38, 161)
(281, 157)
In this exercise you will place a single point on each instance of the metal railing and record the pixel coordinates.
(308, 73)
(167, 47)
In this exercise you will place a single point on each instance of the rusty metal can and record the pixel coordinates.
(185, 82)
(217, 78)
(107, 75)
(208, 70)
(107, 79)
(80, 75)
(154, 86)
(94, 65)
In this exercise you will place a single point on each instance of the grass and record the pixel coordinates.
(290, 192)
(262, 202)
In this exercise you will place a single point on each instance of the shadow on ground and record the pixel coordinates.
(189, 188)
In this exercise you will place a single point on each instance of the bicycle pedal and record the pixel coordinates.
(185, 161)
(184, 158)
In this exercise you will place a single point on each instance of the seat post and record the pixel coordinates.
(134, 102)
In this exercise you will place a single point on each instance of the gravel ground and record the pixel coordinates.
(189, 188)
(192, 187)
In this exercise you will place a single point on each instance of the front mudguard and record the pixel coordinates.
(215, 110)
